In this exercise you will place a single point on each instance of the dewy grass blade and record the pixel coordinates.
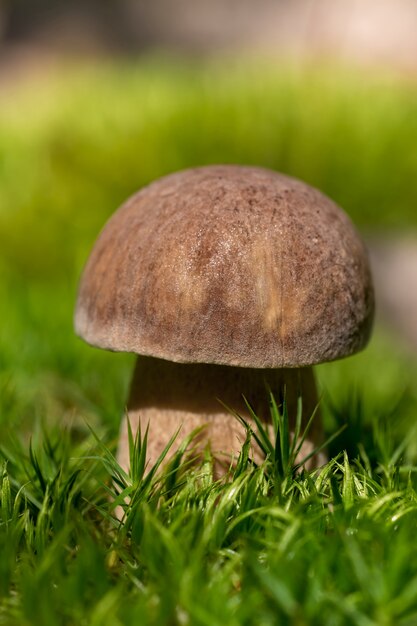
(37, 468)
(261, 436)
(337, 497)
(138, 447)
(283, 452)
(298, 425)
(277, 419)
(6, 496)
(243, 460)
(303, 435)
(321, 447)
(274, 411)
(264, 445)
(132, 444)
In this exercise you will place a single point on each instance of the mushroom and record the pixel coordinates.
(225, 280)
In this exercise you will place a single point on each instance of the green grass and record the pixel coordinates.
(265, 546)
(261, 546)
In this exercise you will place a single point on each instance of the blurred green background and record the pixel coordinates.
(78, 138)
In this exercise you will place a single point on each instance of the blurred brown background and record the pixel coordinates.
(383, 31)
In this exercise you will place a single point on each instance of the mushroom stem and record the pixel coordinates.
(169, 396)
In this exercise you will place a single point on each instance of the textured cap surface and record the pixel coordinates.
(228, 264)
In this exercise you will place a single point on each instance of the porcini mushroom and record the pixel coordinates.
(224, 279)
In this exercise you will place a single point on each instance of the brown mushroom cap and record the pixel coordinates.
(228, 264)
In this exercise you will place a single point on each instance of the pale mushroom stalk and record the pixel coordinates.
(170, 397)
(227, 280)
